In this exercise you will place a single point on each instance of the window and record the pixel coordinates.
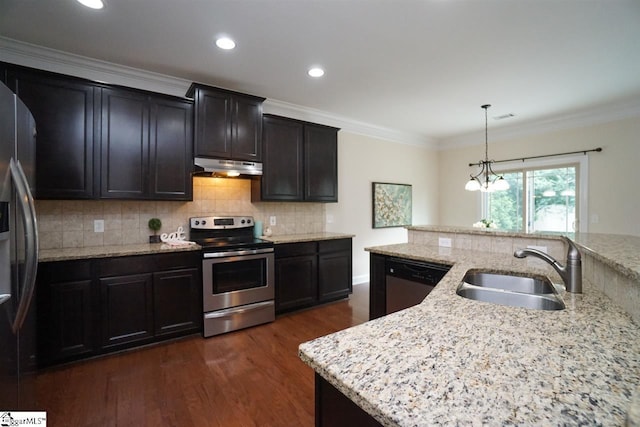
(543, 196)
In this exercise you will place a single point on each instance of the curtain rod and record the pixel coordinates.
(599, 149)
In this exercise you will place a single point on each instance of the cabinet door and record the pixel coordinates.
(171, 153)
(334, 409)
(334, 269)
(71, 320)
(320, 163)
(63, 108)
(246, 129)
(213, 124)
(125, 144)
(296, 282)
(283, 148)
(66, 303)
(377, 287)
(127, 310)
(177, 302)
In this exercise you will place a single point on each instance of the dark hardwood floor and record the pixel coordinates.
(251, 377)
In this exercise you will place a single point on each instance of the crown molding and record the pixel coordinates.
(281, 108)
(34, 56)
(588, 117)
(29, 55)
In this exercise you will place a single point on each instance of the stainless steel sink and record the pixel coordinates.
(534, 292)
(510, 282)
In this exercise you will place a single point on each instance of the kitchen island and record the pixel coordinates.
(451, 360)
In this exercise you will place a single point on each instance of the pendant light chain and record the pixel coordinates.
(498, 183)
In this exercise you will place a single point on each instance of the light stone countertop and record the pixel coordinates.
(620, 252)
(451, 360)
(310, 237)
(67, 254)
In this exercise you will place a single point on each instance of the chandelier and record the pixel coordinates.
(486, 180)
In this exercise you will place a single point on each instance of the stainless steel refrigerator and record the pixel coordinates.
(18, 253)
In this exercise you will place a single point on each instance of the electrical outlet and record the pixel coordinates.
(445, 242)
(98, 226)
(272, 220)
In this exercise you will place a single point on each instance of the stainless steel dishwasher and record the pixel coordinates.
(408, 282)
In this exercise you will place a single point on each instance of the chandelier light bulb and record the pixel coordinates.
(472, 185)
(93, 4)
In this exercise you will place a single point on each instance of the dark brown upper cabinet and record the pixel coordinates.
(125, 144)
(320, 163)
(146, 146)
(228, 125)
(65, 110)
(101, 141)
(300, 162)
(282, 173)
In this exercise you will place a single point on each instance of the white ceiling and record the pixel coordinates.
(422, 67)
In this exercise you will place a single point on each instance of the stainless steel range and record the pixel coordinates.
(237, 273)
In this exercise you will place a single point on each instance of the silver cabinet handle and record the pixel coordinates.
(25, 199)
(243, 252)
(235, 310)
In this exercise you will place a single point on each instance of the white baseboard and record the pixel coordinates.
(356, 280)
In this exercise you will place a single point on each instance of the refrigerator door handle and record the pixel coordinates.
(25, 198)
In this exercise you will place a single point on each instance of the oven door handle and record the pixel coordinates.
(234, 310)
(237, 253)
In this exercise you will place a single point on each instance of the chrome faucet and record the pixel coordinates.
(571, 273)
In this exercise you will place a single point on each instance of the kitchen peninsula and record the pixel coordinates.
(455, 360)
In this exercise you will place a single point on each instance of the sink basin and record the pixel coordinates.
(509, 282)
(533, 292)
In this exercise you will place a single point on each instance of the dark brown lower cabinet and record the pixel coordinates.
(296, 276)
(127, 309)
(334, 409)
(66, 304)
(377, 286)
(174, 294)
(90, 307)
(309, 273)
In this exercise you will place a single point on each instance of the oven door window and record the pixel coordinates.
(238, 275)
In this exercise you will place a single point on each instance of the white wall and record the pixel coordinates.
(363, 160)
(614, 173)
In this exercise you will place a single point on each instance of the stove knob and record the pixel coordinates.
(243, 221)
(249, 221)
(204, 222)
(197, 222)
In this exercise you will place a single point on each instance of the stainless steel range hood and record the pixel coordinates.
(226, 168)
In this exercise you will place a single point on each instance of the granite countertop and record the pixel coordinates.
(619, 251)
(310, 237)
(50, 255)
(451, 360)
(67, 254)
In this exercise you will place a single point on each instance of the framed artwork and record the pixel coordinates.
(391, 205)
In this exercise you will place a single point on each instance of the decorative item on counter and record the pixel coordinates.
(485, 223)
(257, 228)
(268, 232)
(154, 225)
(177, 238)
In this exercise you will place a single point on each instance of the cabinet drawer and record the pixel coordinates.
(336, 245)
(146, 263)
(295, 249)
(64, 271)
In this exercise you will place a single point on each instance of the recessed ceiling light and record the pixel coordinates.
(225, 43)
(93, 4)
(316, 72)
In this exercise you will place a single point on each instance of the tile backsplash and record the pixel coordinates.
(70, 223)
